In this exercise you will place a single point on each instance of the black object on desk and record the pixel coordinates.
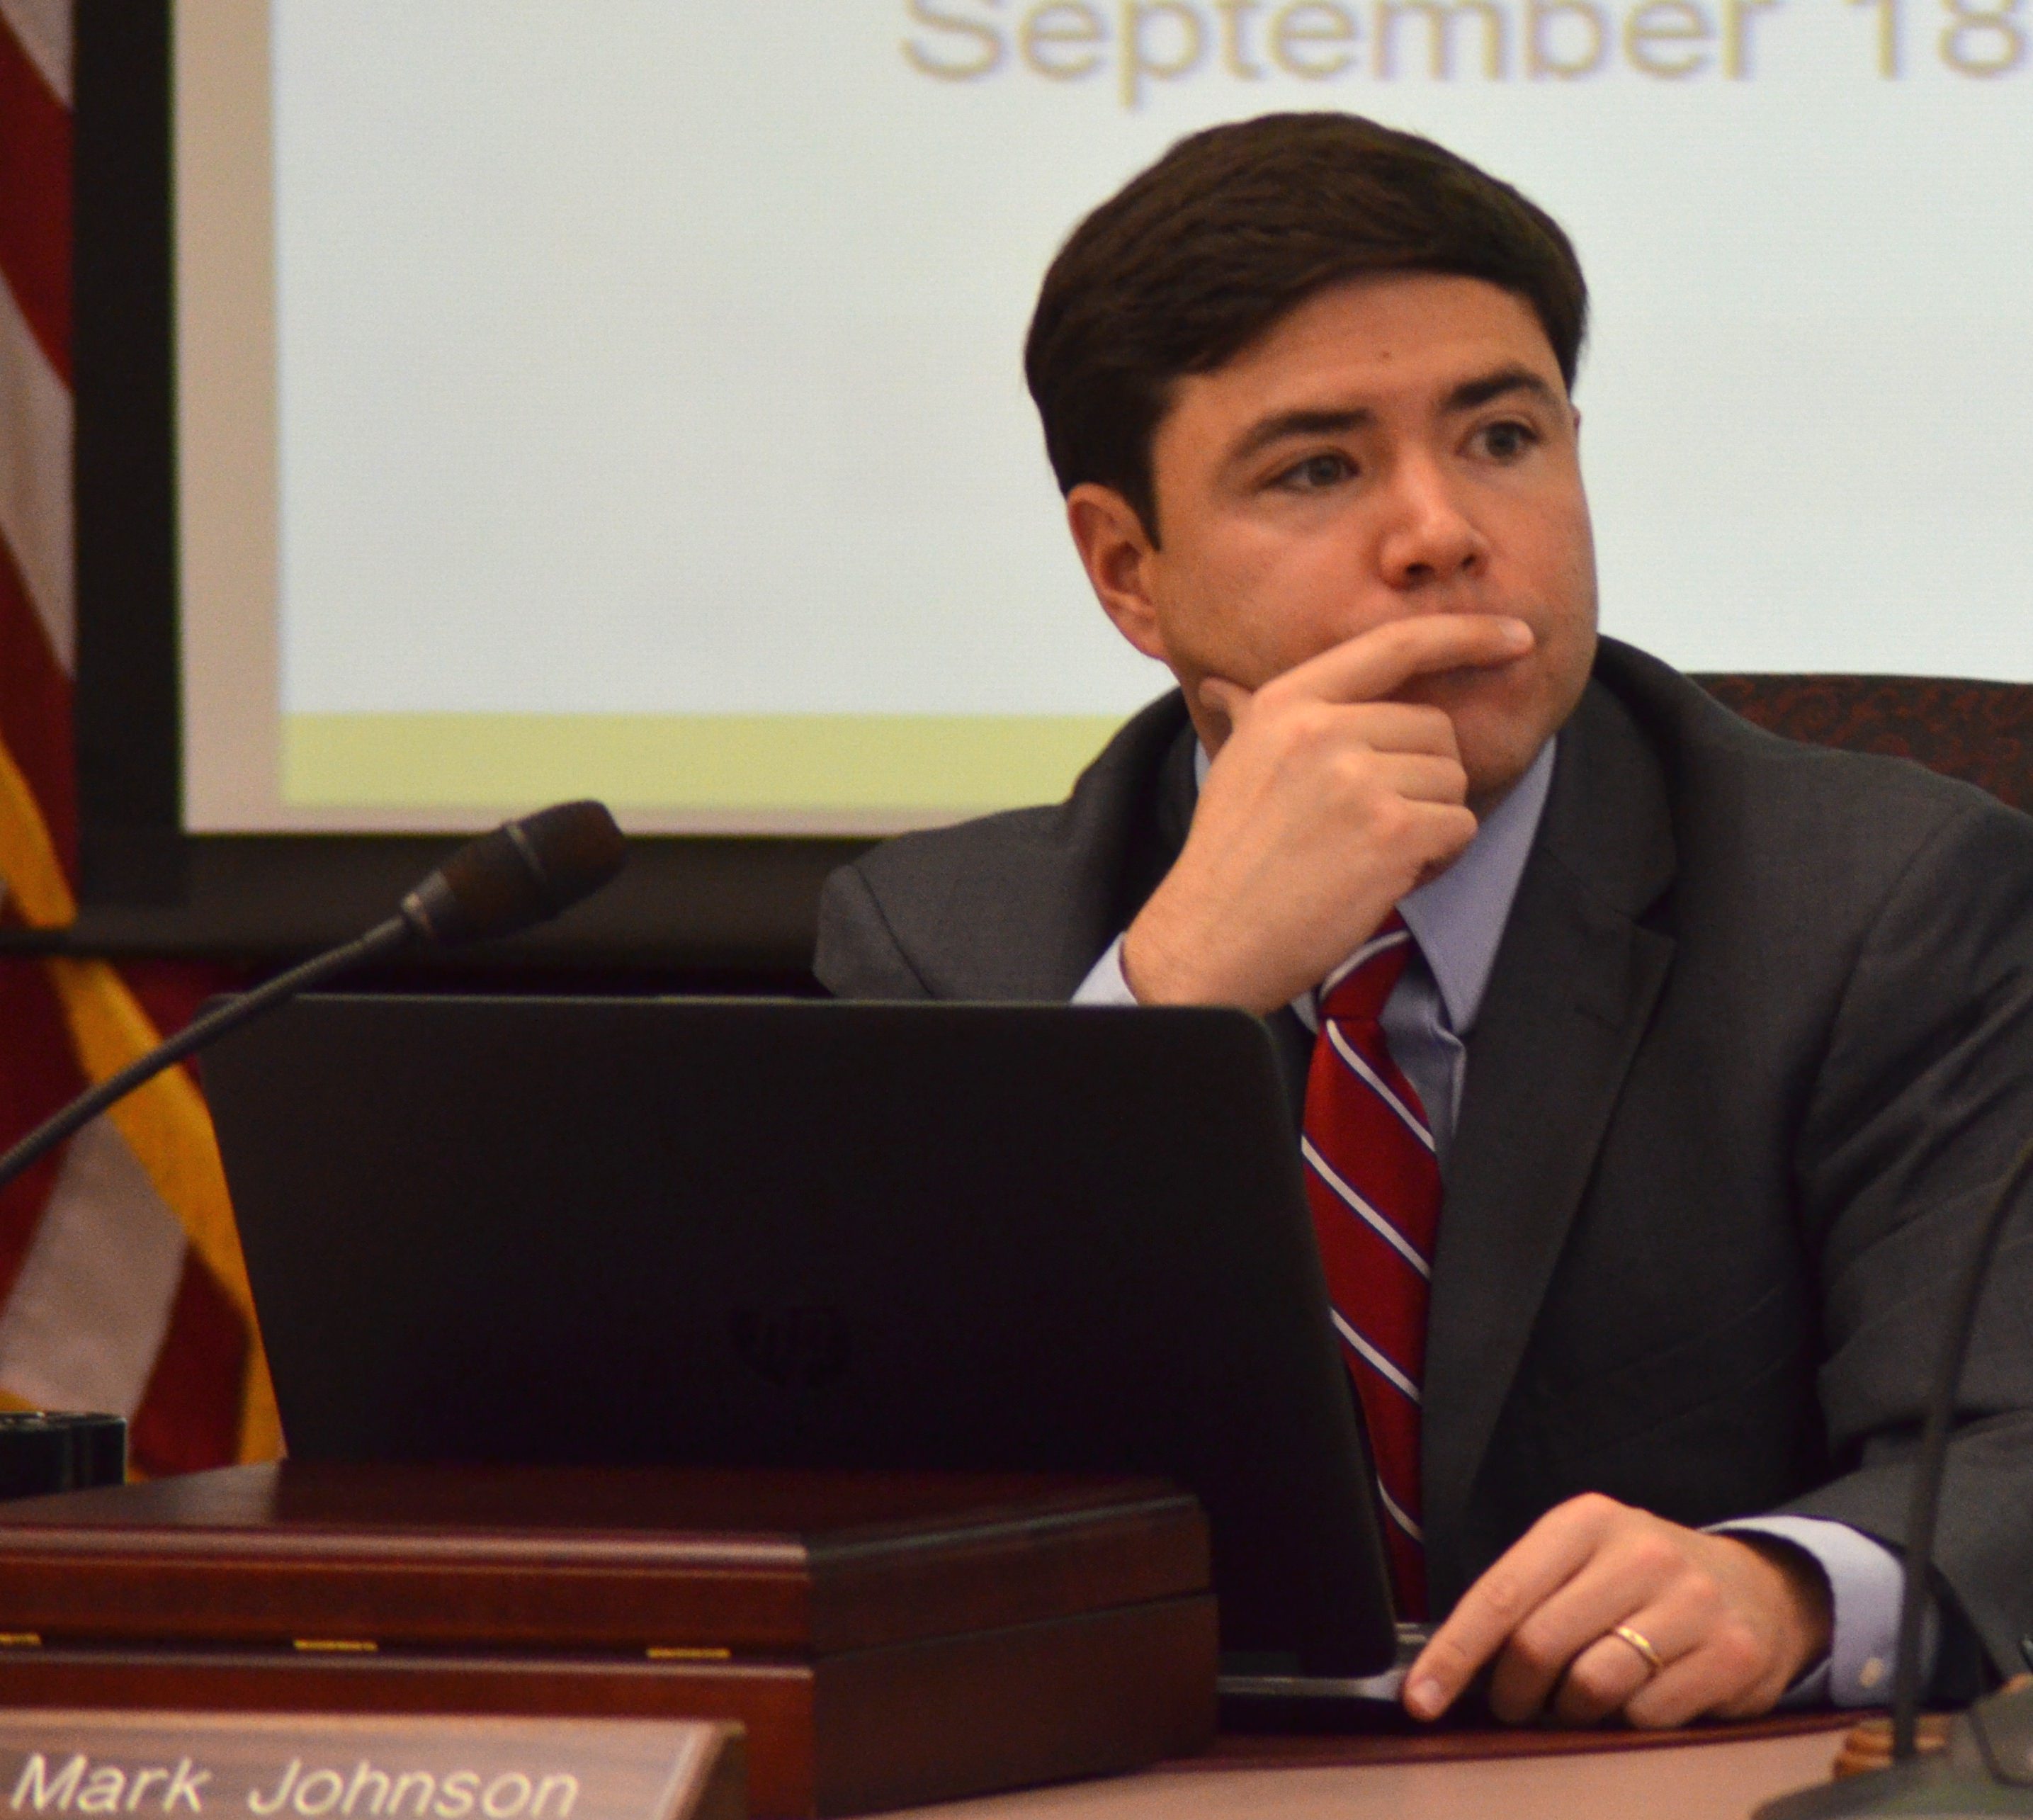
(41, 1451)
(795, 1234)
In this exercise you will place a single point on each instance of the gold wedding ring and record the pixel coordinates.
(1642, 1644)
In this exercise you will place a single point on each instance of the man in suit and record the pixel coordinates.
(1714, 1044)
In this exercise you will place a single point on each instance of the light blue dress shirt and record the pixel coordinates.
(1458, 920)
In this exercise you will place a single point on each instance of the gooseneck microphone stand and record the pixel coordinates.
(524, 872)
(377, 944)
(1988, 1766)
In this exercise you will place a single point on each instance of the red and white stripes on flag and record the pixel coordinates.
(121, 1283)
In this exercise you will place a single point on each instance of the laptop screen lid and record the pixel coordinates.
(811, 1233)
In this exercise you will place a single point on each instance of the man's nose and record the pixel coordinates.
(1429, 539)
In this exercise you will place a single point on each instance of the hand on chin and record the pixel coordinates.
(1331, 797)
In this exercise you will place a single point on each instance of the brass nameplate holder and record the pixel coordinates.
(171, 1766)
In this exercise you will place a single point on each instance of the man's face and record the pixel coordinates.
(1398, 445)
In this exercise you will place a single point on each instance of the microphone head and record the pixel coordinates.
(523, 873)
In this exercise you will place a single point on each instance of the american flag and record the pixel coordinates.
(122, 1286)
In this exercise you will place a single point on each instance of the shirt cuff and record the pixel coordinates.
(1104, 983)
(1866, 1582)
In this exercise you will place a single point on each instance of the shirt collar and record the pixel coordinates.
(1458, 919)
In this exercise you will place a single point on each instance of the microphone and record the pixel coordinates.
(525, 872)
(1987, 1767)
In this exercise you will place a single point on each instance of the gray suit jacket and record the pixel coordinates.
(1759, 1043)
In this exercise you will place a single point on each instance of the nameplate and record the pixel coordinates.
(258, 1766)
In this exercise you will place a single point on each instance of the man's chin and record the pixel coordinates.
(1497, 740)
(1495, 759)
(1502, 715)
(1493, 710)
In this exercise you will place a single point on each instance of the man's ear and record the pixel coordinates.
(1119, 557)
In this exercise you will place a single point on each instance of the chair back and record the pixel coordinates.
(1982, 733)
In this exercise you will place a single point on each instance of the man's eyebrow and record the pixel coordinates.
(1475, 392)
(1469, 395)
(1289, 424)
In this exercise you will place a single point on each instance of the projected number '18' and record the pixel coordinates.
(1982, 38)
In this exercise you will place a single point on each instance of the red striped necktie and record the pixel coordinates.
(1374, 1182)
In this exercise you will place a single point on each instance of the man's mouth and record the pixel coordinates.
(1437, 687)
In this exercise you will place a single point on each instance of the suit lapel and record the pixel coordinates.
(1575, 981)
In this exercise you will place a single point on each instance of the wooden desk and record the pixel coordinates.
(1722, 1776)
(883, 1637)
(187, 1593)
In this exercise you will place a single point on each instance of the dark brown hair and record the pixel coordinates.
(1232, 229)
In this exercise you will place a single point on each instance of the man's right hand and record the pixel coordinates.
(1326, 803)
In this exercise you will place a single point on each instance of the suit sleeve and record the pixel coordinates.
(859, 956)
(1924, 1096)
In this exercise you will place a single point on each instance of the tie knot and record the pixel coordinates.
(1357, 995)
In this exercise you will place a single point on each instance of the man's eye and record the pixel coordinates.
(1319, 470)
(1507, 441)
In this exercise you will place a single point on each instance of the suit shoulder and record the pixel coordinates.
(1010, 905)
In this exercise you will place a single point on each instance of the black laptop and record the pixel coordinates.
(806, 1234)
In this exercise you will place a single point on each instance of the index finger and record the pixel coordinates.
(1373, 664)
(1529, 1572)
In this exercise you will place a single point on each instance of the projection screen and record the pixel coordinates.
(623, 397)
